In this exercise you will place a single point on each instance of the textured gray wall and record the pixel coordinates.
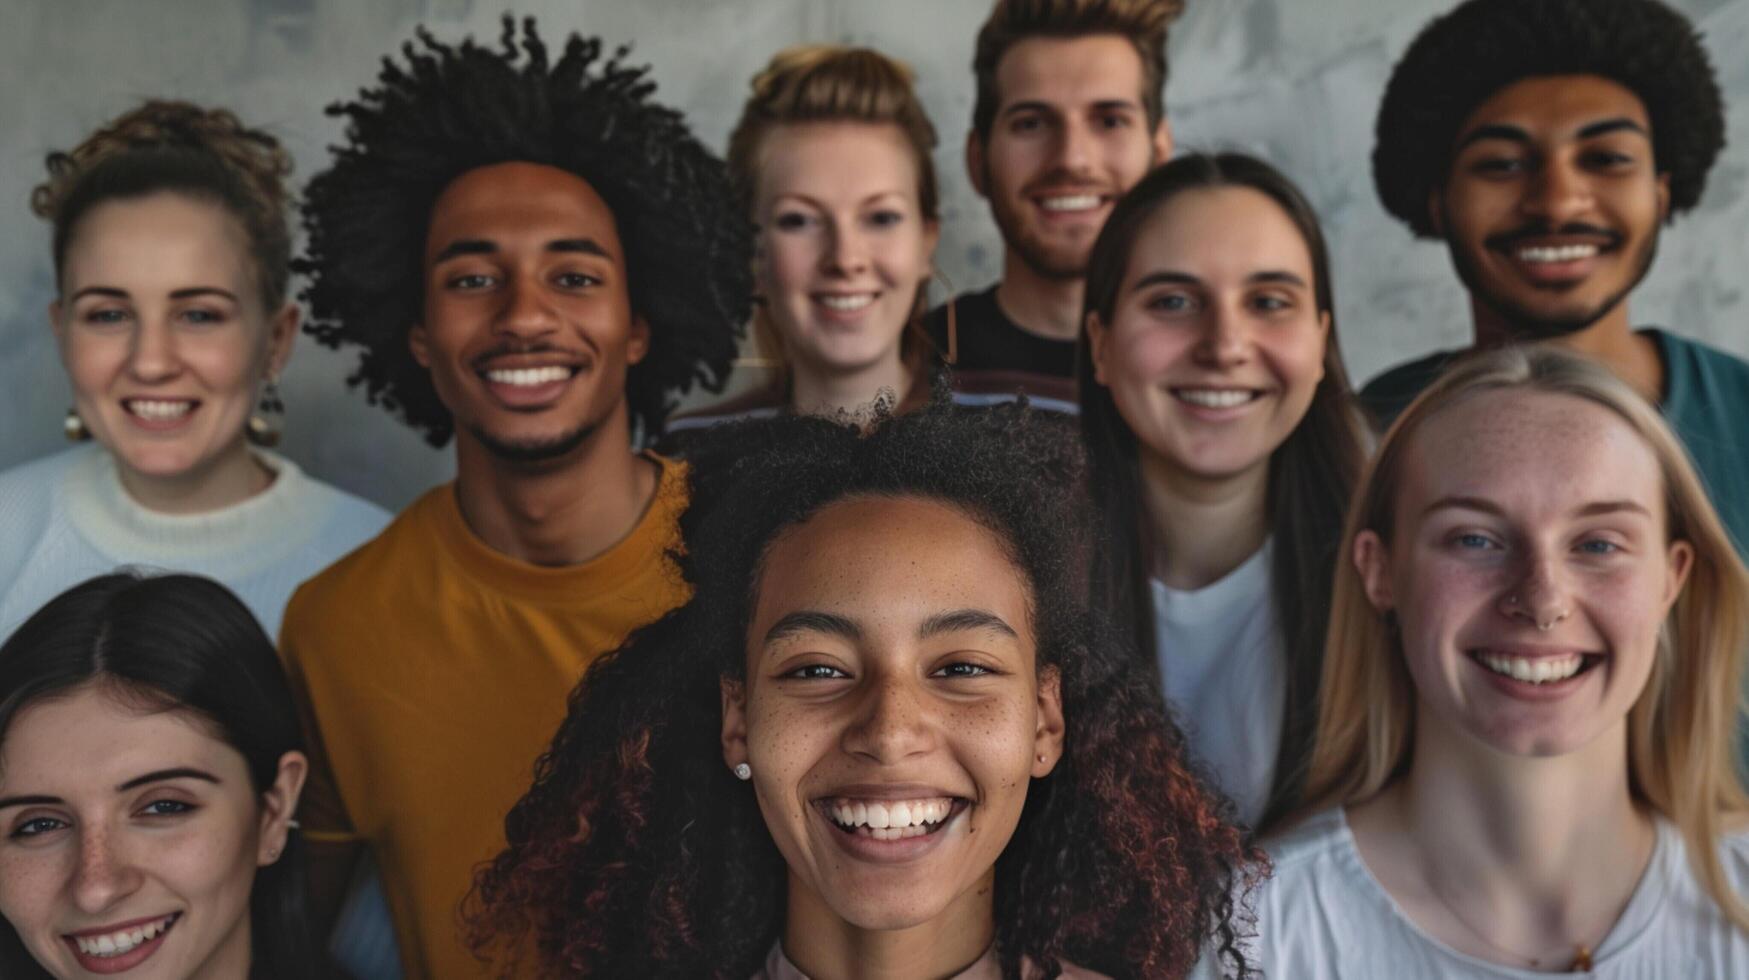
(1296, 81)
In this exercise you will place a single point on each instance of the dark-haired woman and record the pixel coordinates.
(150, 764)
(903, 751)
(171, 255)
(1223, 448)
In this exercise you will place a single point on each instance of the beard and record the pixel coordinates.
(1530, 325)
(1047, 261)
(534, 451)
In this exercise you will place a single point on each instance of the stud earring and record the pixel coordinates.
(269, 418)
(74, 427)
(743, 771)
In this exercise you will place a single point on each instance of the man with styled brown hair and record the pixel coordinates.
(1070, 114)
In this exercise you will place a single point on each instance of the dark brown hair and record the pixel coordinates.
(1311, 474)
(1143, 22)
(1121, 861)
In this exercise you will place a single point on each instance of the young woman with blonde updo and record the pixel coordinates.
(831, 157)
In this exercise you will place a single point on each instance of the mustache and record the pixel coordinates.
(1066, 180)
(1507, 239)
(509, 348)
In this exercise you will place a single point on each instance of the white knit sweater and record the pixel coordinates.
(66, 518)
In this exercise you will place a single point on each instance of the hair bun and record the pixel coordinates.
(256, 157)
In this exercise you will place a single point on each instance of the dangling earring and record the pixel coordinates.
(74, 427)
(269, 418)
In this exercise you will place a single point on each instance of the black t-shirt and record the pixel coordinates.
(997, 359)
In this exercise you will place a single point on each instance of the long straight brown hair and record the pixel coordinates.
(1311, 474)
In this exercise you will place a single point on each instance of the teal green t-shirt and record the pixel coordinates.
(1706, 402)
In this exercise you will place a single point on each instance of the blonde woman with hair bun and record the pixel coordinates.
(831, 158)
(1523, 760)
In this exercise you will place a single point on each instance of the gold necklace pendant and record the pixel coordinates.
(1581, 960)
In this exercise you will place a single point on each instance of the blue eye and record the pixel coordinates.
(106, 316)
(1598, 546)
(37, 826)
(167, 808)
(202, 317)
(1473, 541)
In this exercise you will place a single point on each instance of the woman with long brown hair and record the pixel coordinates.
(1222, 444)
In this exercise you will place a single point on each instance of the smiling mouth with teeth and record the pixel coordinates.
(845, 302)
(1216, 397)
(158, 409)
(1070, 202)
(1536, 670)
(105, 945)
(1547, 254)
(891, 819)
(528, 377)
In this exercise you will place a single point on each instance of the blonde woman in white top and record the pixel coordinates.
(1523, 760)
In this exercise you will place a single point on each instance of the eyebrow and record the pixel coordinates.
(485, 246)
(1502, 131)
(159, 776)
(812, 621)
(1169, 277)
(1595, 509)
(1038, 105)
(162, 775)
(960, 620)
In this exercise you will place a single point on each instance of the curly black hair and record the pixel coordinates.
(452, 109)
(1462, 58)
(1121, 862)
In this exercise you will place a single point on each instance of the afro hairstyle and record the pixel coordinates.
(1461, 59)
(447, 110)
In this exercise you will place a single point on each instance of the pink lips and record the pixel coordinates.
(126, 961)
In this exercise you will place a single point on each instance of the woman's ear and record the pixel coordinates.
(734, 722)
(1372, 561)
(1097, 335)
(282, 335)
(1047, 740)
(278, 803)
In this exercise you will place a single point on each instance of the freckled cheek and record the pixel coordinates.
(784, 742)
(30, 886)
(993, 740)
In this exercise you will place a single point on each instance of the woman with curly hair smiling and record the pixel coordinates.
(884, 737)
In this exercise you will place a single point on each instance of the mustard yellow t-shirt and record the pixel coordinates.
(434, 671)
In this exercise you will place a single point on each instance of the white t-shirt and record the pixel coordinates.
(66, 518)
(1224, 668)
(1323, 916)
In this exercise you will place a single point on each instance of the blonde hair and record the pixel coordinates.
(1681, 760)
(165, 145)
(834, 83)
